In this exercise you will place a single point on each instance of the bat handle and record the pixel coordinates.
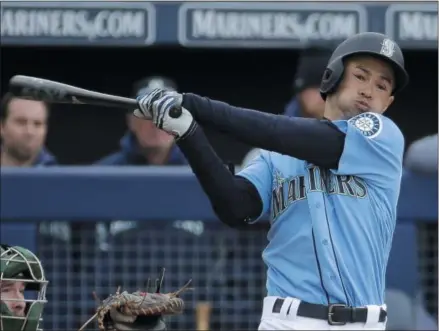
(175, 112)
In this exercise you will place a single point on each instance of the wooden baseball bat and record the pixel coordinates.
(33, 88)
(203, 311)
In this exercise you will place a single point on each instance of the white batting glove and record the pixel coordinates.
(159, 105)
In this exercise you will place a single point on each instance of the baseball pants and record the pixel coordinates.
(287, 318)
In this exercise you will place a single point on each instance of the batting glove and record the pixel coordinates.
(157, 105)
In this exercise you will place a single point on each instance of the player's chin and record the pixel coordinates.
(352, 113)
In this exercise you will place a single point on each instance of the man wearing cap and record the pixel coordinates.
(306, 100)
(144, 144)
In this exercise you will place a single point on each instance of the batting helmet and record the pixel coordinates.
(367, 43)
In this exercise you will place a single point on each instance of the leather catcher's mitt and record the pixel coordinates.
(138, 310)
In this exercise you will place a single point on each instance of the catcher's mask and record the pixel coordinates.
(18, 264)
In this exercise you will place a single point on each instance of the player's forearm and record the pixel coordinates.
(318, 142)
(233, 198)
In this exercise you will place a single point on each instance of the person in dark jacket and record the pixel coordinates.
(24, 125)
(306, 100)
(144, 144)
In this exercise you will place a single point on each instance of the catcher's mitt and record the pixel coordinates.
(138, 310)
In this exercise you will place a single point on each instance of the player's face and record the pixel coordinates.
(366, 86)
(12, 294)
(24, 130)
(148, 136)
(311, 103)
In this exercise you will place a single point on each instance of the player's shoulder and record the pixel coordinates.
(376, 126)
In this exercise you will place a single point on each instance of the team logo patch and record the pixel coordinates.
(388, 47)
(369, 124)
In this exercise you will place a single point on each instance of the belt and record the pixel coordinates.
(335, 314)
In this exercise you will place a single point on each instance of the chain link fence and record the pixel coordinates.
(428, 261)
(225, 265)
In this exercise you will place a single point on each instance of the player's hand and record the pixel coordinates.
(157, 104)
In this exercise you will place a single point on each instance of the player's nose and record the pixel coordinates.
(366, 91)
(18, 307)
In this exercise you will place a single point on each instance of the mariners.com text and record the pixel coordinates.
(73, 23)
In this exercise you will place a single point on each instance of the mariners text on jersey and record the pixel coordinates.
(289, 190)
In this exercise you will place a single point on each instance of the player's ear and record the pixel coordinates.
(389, 102)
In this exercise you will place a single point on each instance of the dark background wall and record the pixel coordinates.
(259, 79)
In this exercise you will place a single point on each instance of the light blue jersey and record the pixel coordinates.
(331, 231)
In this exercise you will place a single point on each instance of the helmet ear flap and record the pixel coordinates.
(331, 77)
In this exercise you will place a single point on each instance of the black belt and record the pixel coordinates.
(335, 314)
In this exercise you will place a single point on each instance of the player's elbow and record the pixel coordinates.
(241, 203)
(231, 215)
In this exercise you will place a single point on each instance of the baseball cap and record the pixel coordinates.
(310, 69)
(144, 85)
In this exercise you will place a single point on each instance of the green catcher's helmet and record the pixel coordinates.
(19, 264)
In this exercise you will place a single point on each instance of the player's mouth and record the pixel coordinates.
(362, 105)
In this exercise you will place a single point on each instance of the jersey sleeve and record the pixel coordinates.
(258, 172)
(373, 149)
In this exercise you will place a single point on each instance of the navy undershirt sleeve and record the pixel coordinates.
(234, 199)
(317, 141)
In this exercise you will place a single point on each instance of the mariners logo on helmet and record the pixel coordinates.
(369, 124)
(387, 47)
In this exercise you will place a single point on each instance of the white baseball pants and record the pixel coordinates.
(290, 321)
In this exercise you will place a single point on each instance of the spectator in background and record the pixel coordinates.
(306, 100)
(144, 144)
(422, 157)
(23, 125)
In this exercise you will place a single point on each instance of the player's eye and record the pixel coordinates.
(360, 77)
(382, 87)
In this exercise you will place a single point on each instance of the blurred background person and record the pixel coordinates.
(306, 100)
(421, 156)
(144, 144)
(24, 125)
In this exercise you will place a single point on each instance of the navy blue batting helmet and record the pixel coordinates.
(367, 43)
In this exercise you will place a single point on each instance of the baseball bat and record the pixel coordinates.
(39, 89)
(203, 311)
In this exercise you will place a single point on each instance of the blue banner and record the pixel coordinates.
(264, 24)
(78, 23)
(214, 24)
(412, 25)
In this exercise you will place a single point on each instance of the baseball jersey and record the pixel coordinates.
(331, 230)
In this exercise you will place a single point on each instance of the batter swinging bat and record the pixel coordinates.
(39, 89)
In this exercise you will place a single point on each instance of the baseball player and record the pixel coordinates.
(331, 186)
(20, 271)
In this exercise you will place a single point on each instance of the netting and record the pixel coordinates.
(224, 264)
(428, 261)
